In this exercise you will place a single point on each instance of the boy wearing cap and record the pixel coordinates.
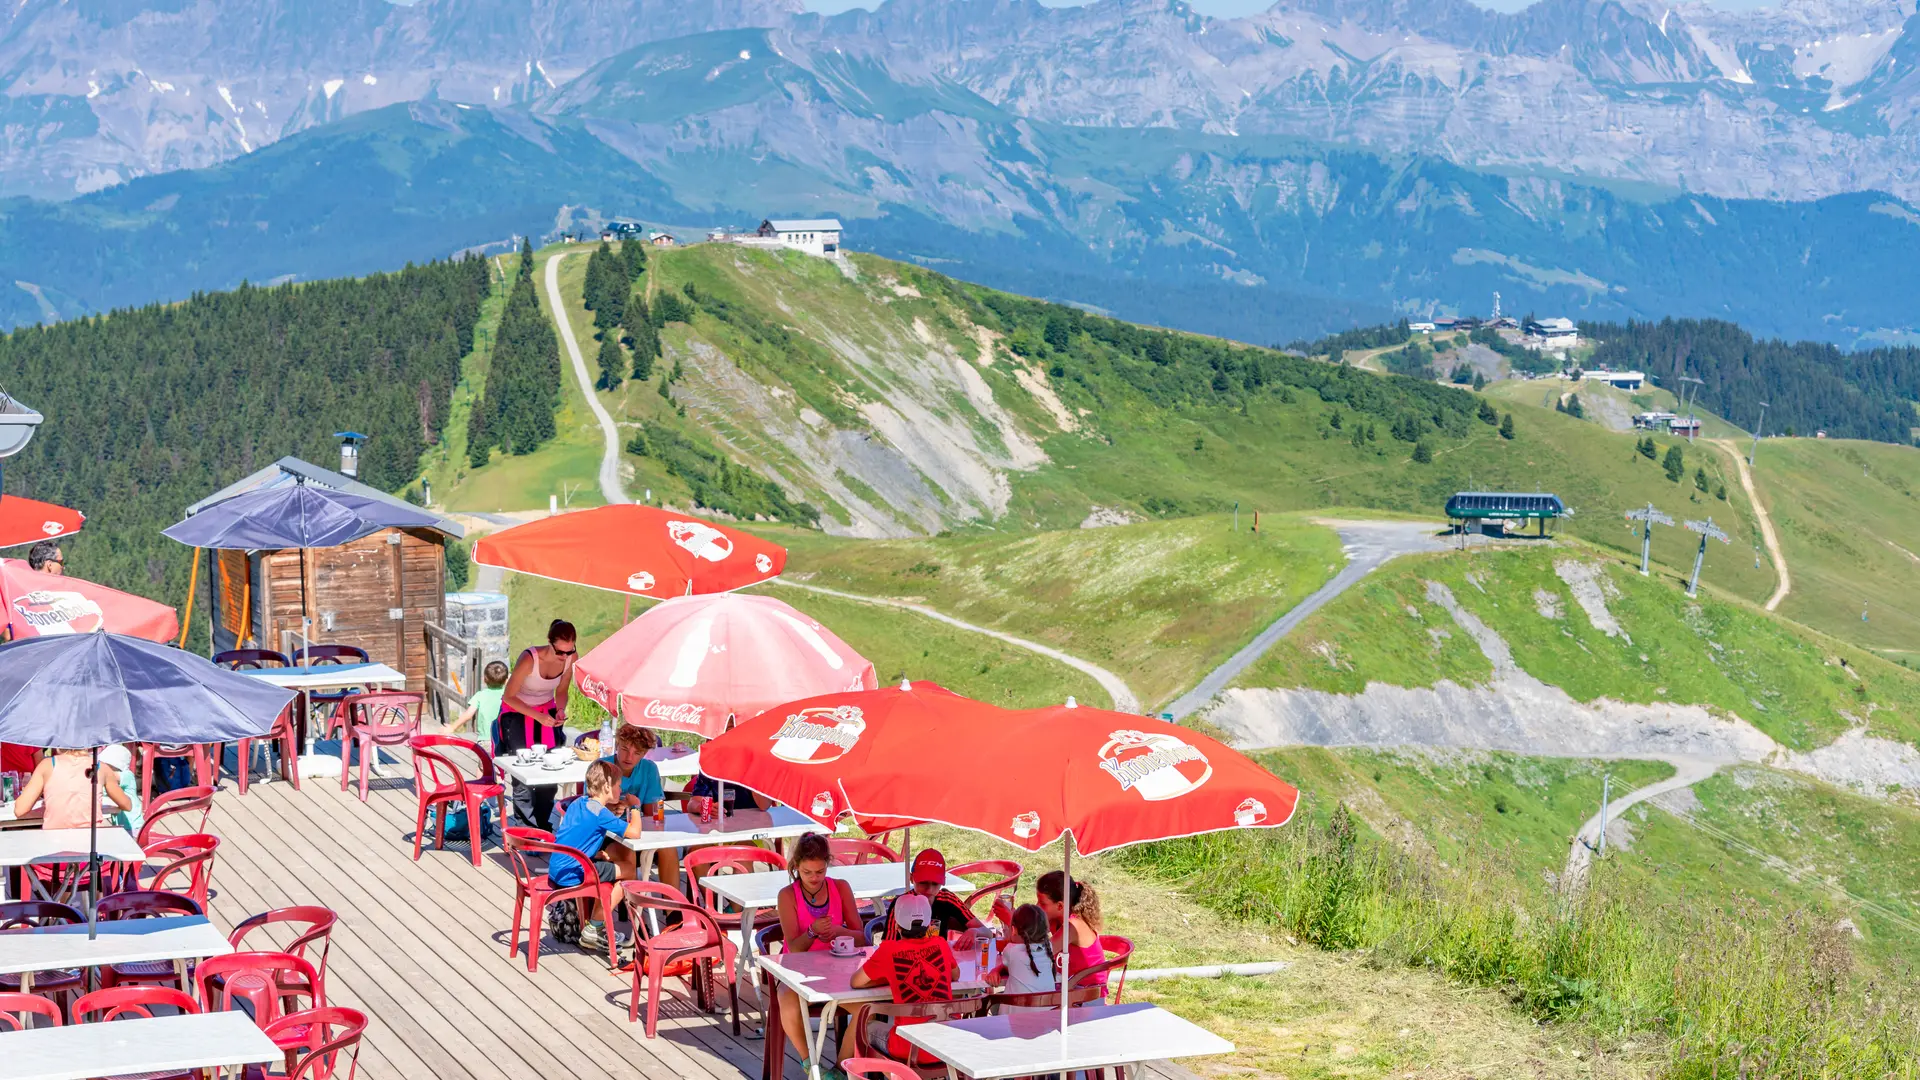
(914, 962)
(928, 878)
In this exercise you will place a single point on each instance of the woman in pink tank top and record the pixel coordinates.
(60, 781)
(1076, 923)
(814, 910)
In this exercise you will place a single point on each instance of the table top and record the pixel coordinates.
(820, 977)
(682, 830)
(1030, 1043)
(329, 676)
(51, 847)
(762, 890)
(665, 758)
(160, 1044)
(121, 941)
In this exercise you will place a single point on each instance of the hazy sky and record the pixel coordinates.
(1243, 7)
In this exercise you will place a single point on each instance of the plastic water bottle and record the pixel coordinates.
(606, 735)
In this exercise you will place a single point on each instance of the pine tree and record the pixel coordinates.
(633, 253)
(642, 338)
(1488, 414)
(1647, 448)
(613, 364)
(1506, 426)
(1675, 463)
(1700, 479)
(1479, 381)
(526, 257)
(1422, 453)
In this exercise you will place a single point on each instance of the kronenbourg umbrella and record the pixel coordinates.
(636, 550)
(694, 662)
(87, 690)
(34, 604)
(1102, 779)
(29, 521)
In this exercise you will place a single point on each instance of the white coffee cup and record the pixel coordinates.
(841, 946)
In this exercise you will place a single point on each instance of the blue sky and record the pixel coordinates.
(1243, 7)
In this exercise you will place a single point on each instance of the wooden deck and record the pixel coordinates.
(421, 948)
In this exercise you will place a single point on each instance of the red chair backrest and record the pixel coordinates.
(189, 856)
(1118, 950)
(851, 852)
(442, 770)
(535, 841)
(313, 926)
(1006, 874)
(130, 1001)
(330, 654)
(175, 803)
(645, 895)
(15, 1008)
(517, 838)
(258, 978)
(706, 862)
(859, 1068)
(249, 658)
(387, 715)
(146, 904)
(326, 1033)
(23, 914)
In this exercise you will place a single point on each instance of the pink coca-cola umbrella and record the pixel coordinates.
(42, 605)
(693, 663)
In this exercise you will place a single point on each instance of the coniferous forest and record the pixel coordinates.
(523, 377)
(151, 409)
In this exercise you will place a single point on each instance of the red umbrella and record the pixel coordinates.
(29, 521)
(695, 662)
(1110, 779)
(637, 550)
(42, 605)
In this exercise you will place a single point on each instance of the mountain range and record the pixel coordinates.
(1320, 163)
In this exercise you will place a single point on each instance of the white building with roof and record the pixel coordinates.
(815, 236)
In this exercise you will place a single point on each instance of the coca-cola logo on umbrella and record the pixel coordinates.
(817, 736)
(53, 611)
(705, 541)
(669, 714)
(1155, 766)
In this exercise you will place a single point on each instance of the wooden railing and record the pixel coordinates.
(449, 690)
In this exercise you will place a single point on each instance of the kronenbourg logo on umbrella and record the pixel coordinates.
(823, 805)
(817, 736)
(1026, 826)
(640, 581)
(762, 563)
(1155, 766)
(53, 611)
(705, 541)
(1250, 812)
(54, 528)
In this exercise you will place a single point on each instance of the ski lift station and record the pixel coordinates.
(1493, 510)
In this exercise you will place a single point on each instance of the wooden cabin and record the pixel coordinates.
(378, 592)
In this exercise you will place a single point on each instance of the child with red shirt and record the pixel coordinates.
(917, 967)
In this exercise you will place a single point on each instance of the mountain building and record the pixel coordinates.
(815, 236)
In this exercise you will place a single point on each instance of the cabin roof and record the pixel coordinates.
(290, 470)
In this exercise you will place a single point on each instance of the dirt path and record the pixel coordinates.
(1766, 525)
(1687, 771)
(1124, 699)
(610, 487)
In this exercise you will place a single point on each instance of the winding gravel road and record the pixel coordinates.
(611, 488)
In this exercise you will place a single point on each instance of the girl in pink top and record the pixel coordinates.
(61, 779)
(814, 910)
(1075, 921)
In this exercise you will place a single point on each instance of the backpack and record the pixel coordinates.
(457, 821)
(563, 921)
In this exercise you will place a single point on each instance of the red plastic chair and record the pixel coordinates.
(186, 866)
(381, 718)
(281, 737)
(200, 754)
(698, 940)
(321, 656)
(313, 928)
(850, 852)
(316, 1038)
(145, 904)
(22, 915)
(534, 890)
(17, 1011)
(1001, 890)
(130, 1001)
(265, 981)
(1118, 949)
(438, 781)
(859, 1068)
(179, 802)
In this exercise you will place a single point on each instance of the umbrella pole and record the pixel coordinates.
(93, 851)
(1066, 929)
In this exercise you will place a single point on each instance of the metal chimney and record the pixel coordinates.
(350, 452)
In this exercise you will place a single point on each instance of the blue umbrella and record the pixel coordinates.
(87, 690)
(297, 516)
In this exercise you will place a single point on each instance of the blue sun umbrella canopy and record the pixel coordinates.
(74, 691)
(296, 516)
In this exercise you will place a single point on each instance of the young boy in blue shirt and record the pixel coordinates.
(592, 828)
(640, 788)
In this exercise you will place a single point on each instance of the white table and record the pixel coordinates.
(738, 827)
(1030, 1043)
(164, 1044)
(329, 676)
(65, 847)
(826, 980)
(671, 765)
(178, 938)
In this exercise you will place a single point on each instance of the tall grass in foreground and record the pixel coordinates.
(1732, 995)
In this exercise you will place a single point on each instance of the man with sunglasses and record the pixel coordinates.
(533, 709)
(45, 557)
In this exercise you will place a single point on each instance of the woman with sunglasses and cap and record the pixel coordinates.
(533, 710)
